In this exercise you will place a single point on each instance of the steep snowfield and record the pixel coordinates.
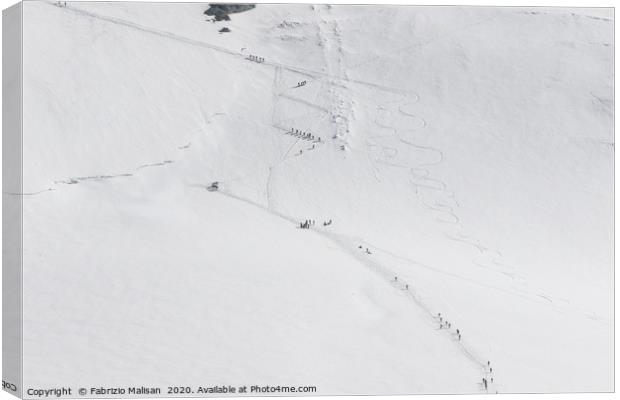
(469, 149)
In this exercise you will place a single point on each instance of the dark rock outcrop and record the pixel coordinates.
(220, 11)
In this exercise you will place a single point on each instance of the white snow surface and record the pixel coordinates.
(470, 149)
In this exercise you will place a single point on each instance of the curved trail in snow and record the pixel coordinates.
(429, 188)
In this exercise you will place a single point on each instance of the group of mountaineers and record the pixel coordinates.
(443, 323)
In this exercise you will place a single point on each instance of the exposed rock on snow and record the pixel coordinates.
(221, 11)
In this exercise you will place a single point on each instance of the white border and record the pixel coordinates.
(554, 3)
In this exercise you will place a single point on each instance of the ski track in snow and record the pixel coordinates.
(429, 188)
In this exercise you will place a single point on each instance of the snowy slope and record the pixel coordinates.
(469, 149)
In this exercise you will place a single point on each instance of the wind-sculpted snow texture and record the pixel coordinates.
(408, 199)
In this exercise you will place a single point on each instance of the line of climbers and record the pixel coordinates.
(310, 222)
(488, 380)
(303, 135)
(306, 224)
(445, 324)
(367, 251)
(256, 58)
